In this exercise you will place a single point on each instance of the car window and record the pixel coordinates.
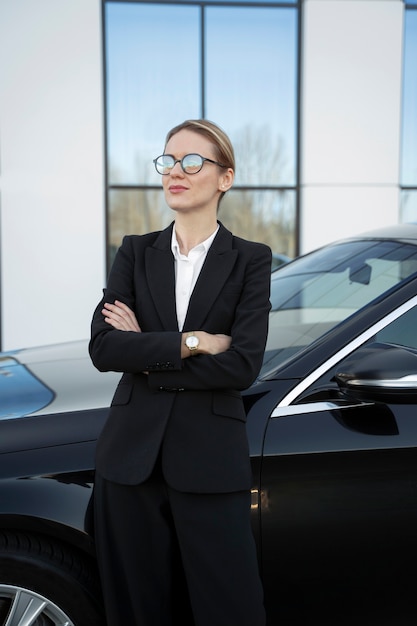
(314, 293)
(401, 332)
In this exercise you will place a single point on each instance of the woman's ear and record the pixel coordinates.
(226, 180)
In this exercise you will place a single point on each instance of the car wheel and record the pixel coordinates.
(44, 584)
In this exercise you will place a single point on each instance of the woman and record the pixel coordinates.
(184, 317)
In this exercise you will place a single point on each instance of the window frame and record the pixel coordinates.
(296, 5)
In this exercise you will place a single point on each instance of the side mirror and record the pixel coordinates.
(381, 373)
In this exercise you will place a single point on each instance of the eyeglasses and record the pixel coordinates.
(190, 163)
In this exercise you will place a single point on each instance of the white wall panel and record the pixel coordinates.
(331, 213)
(351, 107)
(52, 169)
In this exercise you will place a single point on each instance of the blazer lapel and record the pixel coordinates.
(219, 262)
(160, 274)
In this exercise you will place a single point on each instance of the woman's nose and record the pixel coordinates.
(177, 169)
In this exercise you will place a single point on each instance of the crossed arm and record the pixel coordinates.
(121, 317)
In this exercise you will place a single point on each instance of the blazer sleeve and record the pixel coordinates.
(127, 351)
(238, 367)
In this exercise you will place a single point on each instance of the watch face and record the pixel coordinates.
(192, 342)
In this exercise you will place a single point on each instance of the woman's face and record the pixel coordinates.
(194, 192)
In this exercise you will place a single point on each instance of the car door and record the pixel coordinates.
(339, 487)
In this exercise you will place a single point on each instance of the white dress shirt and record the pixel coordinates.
(187, 270)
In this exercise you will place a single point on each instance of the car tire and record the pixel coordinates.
(47, 580)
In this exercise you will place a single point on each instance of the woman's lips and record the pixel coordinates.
(177, 188)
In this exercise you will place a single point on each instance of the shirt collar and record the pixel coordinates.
(203, 246)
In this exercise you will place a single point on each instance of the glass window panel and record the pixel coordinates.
(251, 84)
(275, 2)
(267, 216)
(153, 80)
(148, 93)
(408, 211)
(409, 131)
(136, 212)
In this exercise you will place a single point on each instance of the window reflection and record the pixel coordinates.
(236, 65)
(246, 1)
(152, 79)
(251, 66)
(266, 216)
(408, 210)
(135, 212)
(409, 134)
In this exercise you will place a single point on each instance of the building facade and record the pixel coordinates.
(317, 95)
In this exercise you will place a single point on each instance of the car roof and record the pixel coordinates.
(406, 232)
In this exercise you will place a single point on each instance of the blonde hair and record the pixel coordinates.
(216, 135)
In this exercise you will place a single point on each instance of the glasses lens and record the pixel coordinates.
(164, 163)
(192, 163)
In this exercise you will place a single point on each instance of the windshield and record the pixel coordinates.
(316, 292)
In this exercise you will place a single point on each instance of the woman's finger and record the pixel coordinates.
(120, 316)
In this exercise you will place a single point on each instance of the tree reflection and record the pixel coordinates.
(259, 206)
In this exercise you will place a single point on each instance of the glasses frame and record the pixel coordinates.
(181, 162)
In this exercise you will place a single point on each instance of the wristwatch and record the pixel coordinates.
(192, 342)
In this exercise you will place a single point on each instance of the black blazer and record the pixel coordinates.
(191, 410)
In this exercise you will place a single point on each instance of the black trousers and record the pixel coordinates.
(169, 557)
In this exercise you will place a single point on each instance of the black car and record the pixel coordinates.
(332, 425)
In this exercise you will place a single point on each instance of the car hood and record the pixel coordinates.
(52, 379)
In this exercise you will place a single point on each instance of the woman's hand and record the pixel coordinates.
(120, 316)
